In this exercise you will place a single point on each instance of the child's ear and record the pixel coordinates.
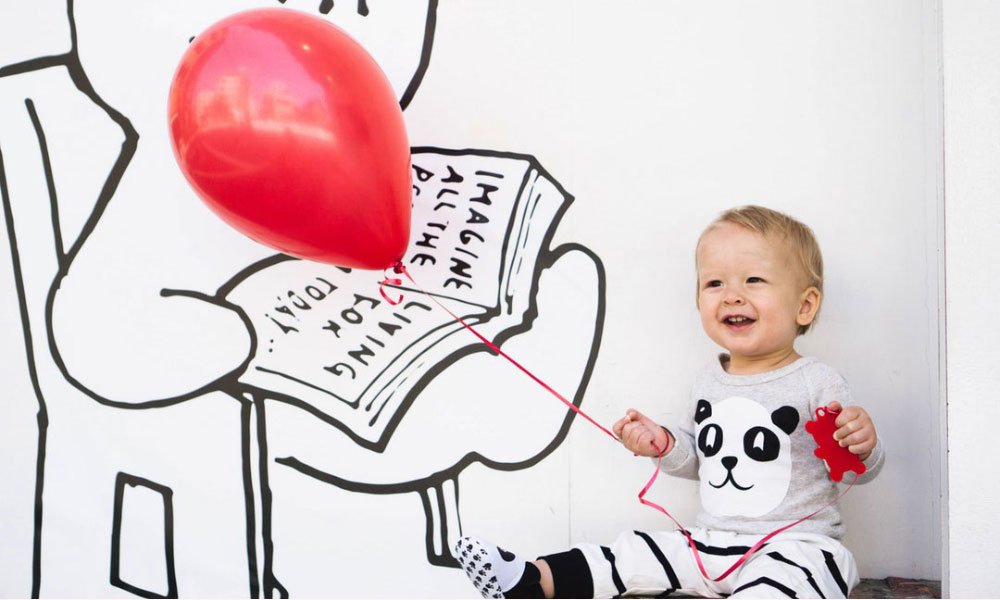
(808, 306)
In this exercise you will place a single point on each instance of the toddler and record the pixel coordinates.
(760, 283)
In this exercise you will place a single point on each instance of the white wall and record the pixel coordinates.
(666, 113)
(972, 185)
(655, 117)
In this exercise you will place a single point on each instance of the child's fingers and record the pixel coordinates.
(641, 434)
(846, 414)
(861, 436)
(864, 445)
(854, 438)
(637, 438)
(630, 433)
(862, 448)
(845, 430)
(631, 423)
(851, 413)
(849, 431)
(630, 416)
(636, 433)
(855, 430)
(851, 421)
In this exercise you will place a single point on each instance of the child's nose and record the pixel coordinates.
(734, 298)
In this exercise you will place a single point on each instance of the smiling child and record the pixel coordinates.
(760, 284)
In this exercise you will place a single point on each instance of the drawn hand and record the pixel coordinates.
(479, 407)
(856, 431)
(476, 406)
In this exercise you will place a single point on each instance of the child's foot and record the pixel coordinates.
(497, 573)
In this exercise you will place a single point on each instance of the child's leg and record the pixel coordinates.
(637, 564)
(799, 566)
(497, 573)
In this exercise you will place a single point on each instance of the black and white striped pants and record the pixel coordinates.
(791, 564)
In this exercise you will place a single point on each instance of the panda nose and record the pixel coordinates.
(729, 462)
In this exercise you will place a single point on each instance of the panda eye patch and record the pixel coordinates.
(761, 444)
(710, 440)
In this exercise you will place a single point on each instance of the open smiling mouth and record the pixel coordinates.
(739, 321)
(729, 479)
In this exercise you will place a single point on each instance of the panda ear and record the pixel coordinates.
(786, 418)
(703, 411)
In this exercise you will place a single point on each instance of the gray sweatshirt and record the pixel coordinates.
(745, 440)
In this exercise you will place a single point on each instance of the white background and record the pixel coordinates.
(972, 157)
(659, 115)
(656, 116)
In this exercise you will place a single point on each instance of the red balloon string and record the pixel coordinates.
(748, 553)
(401, 269)
(397, 267)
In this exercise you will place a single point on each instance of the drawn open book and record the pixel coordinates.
(328, 342)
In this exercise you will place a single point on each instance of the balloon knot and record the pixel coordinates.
(397, 267)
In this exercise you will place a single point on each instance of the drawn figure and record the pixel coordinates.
(176, 365)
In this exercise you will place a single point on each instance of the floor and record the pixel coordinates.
(896, 587)
(891, 587)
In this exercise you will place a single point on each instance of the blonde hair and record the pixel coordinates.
(767, 223)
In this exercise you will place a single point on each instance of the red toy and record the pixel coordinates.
(838, 458)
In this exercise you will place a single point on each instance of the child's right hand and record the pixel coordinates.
(639, 433)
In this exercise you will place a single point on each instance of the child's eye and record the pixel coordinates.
(713, 283)
(754, 280)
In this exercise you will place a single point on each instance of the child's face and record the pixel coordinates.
(752, 295)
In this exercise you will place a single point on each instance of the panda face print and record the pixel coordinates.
(745, 455)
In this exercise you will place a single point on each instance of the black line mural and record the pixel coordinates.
(123, 484)
(176, 365)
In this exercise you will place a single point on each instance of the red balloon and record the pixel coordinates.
(289, 130)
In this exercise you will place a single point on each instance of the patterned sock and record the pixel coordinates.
(497, 573)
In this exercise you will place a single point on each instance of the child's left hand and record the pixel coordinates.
(855, 430)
